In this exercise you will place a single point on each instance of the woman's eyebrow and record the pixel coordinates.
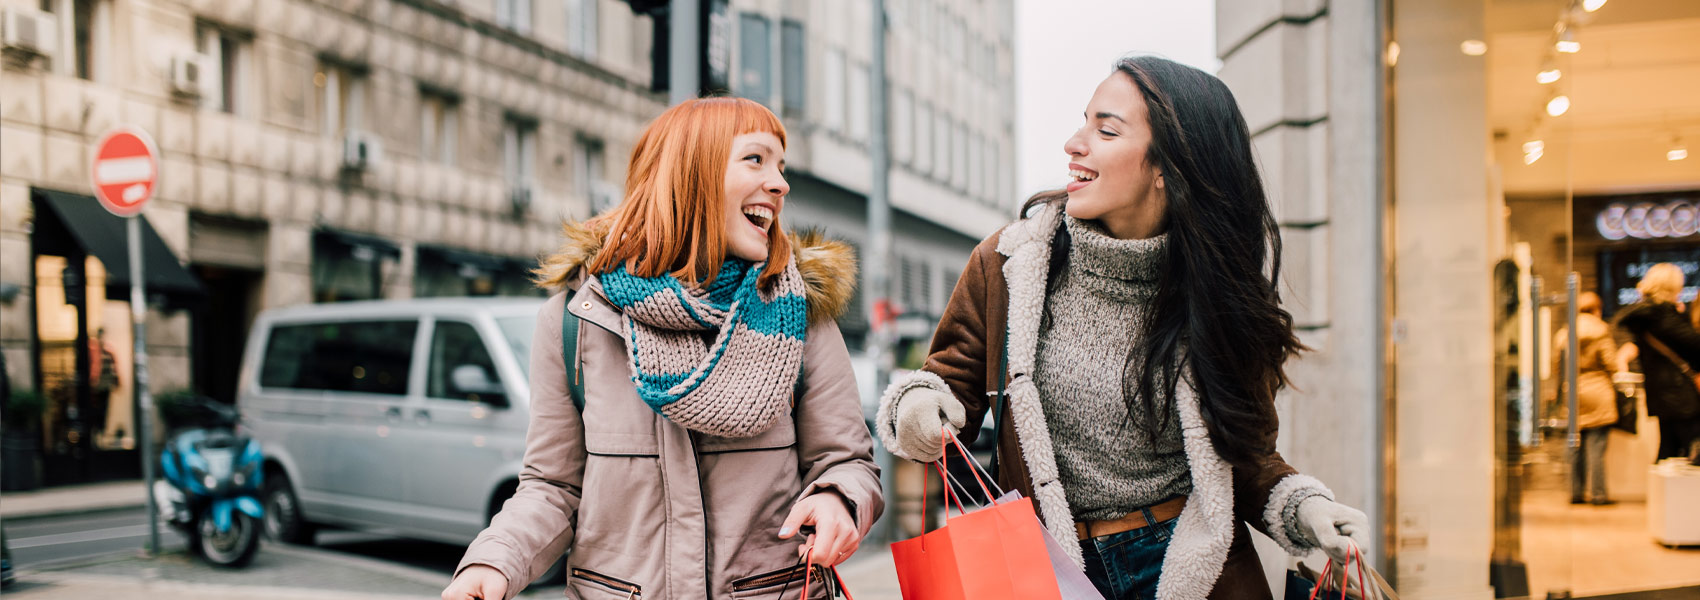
(759, 145)
(1110, 115)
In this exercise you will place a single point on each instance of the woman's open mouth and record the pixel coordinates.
(1081, 177)
(759, 216)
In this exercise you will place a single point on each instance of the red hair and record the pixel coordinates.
(673, 217)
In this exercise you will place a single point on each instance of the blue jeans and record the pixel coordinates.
(1125, 566)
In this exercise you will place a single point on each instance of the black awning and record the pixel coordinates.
(79, 219)
(360, 246)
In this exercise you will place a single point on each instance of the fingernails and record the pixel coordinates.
(786, 532)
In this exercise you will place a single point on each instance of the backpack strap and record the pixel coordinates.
(569, 355)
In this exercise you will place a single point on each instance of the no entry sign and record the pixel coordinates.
(125, 170)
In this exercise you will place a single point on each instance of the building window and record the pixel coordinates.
(341, 97)
(581, 28)
(519, 151)
(792, 57)
(859, 98)
(81, 54)
(755, 58)
(832, 90)
(589, 175)
(350, 267)
(923, 127)
(229, 53)
(514, 15)
(902, 125)
(942, 140)
(964, 157)
(438, 126)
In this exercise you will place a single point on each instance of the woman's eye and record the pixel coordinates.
(754, 157)
(1106, 133)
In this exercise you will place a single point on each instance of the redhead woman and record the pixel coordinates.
(1128, 334)
(719, 415)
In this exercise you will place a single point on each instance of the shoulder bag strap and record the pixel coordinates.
(1665, 350)
(569, 355)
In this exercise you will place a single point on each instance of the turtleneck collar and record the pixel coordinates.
(1094, 251)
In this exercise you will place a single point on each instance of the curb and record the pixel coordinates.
(31, 514)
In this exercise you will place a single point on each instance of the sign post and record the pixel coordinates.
(125, 172)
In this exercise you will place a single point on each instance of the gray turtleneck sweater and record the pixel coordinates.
(1094, 316)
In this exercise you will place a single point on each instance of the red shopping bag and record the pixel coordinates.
(994, 553)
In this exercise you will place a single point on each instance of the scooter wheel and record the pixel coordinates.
(233, 548)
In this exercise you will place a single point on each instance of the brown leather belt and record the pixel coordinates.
(1168, 509)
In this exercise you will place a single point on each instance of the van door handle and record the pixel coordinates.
(394, 413)
(423, 417)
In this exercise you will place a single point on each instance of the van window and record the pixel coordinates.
(456, 346)
(369, 357)
(517, 331)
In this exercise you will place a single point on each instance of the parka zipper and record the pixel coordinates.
(632, 590)
(770, 579)
(702, 499)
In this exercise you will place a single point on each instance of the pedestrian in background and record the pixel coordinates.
(1137, 316)
(720, 413)
(1596, 397)
(1668, 344)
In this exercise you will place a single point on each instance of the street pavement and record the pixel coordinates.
(85, 543)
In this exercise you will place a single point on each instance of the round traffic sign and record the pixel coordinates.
(125, 170)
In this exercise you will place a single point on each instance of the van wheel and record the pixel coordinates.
(284, 522)
(556, 573)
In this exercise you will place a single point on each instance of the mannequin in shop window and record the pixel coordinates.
(103, 380)
(1668, 346)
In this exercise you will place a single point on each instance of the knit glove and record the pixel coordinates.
(922, 415)
(1333, 526)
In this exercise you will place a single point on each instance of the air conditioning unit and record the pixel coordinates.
(360, 151)
(28, 32)
(189, 74)
(519, 197)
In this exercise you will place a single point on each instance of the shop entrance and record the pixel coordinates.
(1588, 106)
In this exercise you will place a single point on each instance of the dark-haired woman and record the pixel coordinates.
(1133, 326)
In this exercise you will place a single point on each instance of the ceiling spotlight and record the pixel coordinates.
(1392, 54)
(1533, 150)
(1549, 73)
(1592, 5)
(1677, 151)
(1558, 105)
(1567, 42)
(1473, 47)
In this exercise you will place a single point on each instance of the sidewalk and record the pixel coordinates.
(74, 499)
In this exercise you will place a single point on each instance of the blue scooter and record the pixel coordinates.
(212, 483)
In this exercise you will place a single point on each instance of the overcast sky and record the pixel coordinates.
(1064, 48)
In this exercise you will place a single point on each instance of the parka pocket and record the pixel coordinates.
(769, 585)
(591, 584)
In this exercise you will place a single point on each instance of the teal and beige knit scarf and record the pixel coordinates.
(739, 384)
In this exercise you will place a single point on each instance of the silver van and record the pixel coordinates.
(407, 416)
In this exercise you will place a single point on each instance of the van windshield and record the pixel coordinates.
(517, 332)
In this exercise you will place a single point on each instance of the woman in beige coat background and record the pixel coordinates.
(1596, 398)
(720, 414)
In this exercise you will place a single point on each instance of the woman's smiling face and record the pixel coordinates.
(755, 193)
(1111, 180)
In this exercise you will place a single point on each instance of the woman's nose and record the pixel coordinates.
(1074, 146)
(778, 187)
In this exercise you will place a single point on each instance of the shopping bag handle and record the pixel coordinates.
(808, 573)
(974, 466)
(1352, 552)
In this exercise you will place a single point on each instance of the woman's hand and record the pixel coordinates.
(1334, 526)
(835, 537)
(477, 582)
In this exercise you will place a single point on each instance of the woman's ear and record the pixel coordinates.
(1159, 181)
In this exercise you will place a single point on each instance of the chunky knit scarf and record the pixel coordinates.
(739, 384)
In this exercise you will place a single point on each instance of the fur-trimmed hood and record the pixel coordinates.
(828, 266)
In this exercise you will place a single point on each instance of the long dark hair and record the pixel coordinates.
(1217, 308)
